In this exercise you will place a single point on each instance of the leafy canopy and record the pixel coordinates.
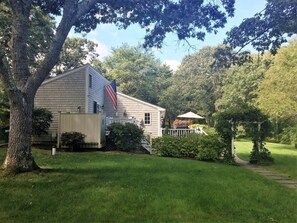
(277, 93)
(196, 84)
(268, 29)
(40, 35)
(138, 72)
(76, 52)
(241, 83)
(186, 18)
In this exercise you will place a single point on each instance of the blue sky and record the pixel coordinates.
(173, 51)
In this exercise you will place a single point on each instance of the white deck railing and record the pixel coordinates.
(110, 120)
(182, 132)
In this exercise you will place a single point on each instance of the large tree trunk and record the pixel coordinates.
(19, 155)
(21, 85)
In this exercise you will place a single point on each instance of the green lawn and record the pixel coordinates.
(107, 187)
(285, 156)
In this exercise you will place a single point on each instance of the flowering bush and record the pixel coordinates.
(181, 123)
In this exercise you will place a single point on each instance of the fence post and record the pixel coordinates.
(59, 129)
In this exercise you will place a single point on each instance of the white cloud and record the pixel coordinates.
(102, 49)
(173, 64)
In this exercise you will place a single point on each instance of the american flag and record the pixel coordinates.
(111, 90)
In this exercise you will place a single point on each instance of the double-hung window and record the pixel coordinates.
(147, 118)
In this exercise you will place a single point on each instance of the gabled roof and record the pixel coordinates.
(118, 92)
(142, 102)
(66, 74)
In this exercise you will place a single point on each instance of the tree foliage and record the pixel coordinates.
(255, 123)
(277, 93)
(196, 84)
(241, 83)
(41, 121)
(40, 33)
(161, 17)
(76, 52)
(289, 135)
(138, 72)
(268, 29)
(186, 18)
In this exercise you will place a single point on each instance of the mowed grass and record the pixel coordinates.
(109, 187)
(285, 156)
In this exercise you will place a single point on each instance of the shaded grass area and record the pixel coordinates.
(109, 187)
(285, 156)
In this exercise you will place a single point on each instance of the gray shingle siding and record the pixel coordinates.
(67, 92)
(137, 108)
(96, 93)
(63, 94)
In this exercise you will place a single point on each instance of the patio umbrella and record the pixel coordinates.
(190, 115)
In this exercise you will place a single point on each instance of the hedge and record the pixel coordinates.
(200, 147)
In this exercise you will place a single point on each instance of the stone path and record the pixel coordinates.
(280, 178)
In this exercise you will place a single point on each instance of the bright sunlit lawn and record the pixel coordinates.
(285, 156)
(110, 187)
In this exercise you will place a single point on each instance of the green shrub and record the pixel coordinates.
(211, 148)
(41, 121)
(261, 156)
(190, 145)
(200, 147)
(72, 140)
(289, 135)
(167, 146)
(125, 137)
